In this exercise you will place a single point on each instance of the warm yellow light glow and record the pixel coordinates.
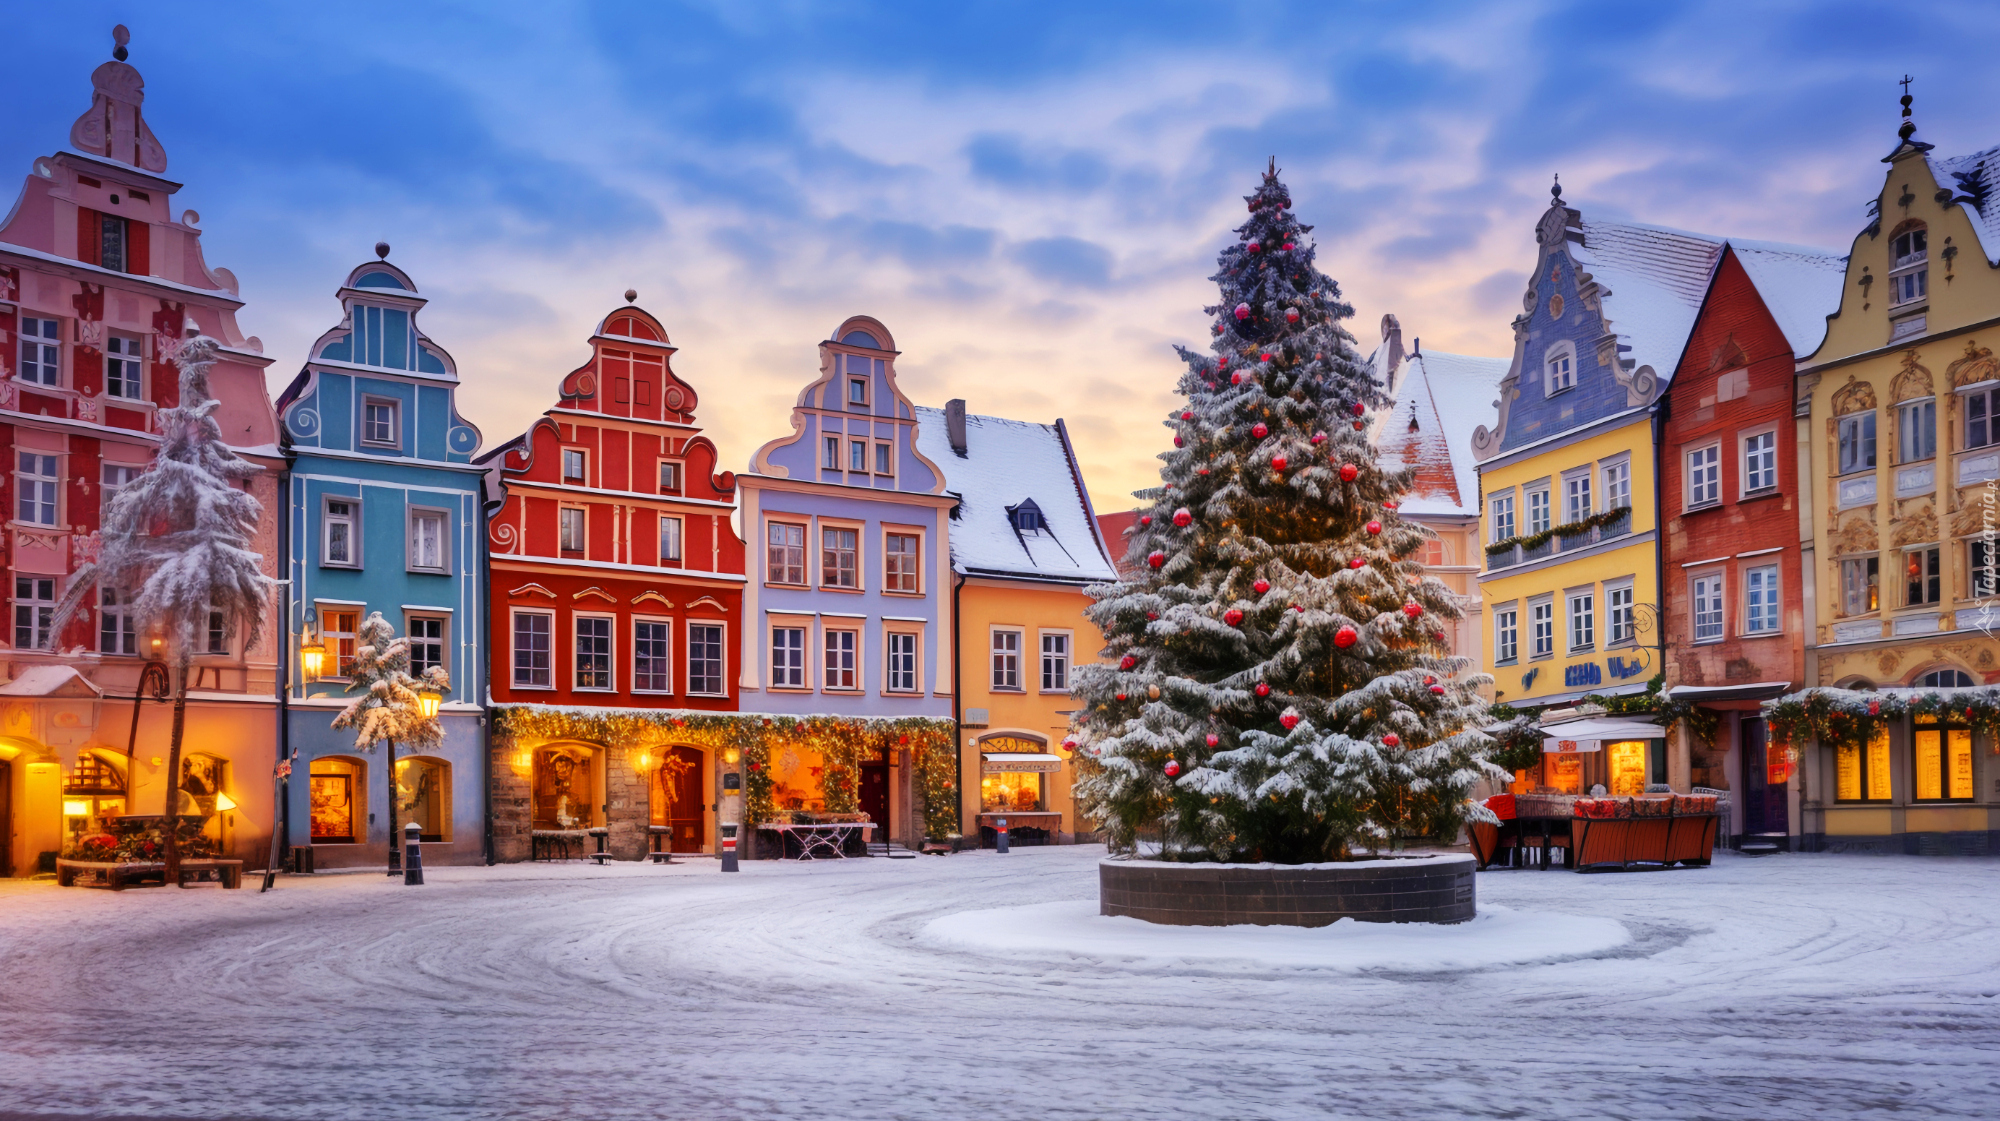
(427, 700)
(224, 803)
(73, 807)
(312, 657)
(732, 756)
(645, 761)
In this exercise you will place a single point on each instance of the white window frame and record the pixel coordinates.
(666, 656)
(1856, 430)
(1620, 613)
(1003, 649)
(34, 613)
(1703, 466)
(1853, 572)
(841, 658)
(124, 366)
(916, 561)
(514, 650)
(410, 621)
(1909, 273)
(38, 487)
(1559, 368)
(891, 639)
(789, 640)
(1708, 611)
(417, 515)
(1542, 626)
(829, 459)
(672, 532)
(1578, 502)
(1753, 446)
(804, 547)
(1763, 609)
(1615, 483)
(114, 620)
(565, 516)
(328, 520)
(46, 368)
(1507, 633)
(1500, 517)
(1056, 663)
(370, 401)
(1987, 397)
(111, 486)
(329, 614)
(610, 652)
(1541, 515)
(677, 484)
(580, 457)
(1923, 427)
(826, 526)
(1581, 605)
(722, 657)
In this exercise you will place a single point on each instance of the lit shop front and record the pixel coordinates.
(1622, 756)
(1014, 779)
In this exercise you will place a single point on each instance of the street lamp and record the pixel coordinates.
(427, 702)
(312, 656)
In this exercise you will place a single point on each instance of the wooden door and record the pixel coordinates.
(6, 819)
(684, 813)
(875, 797)
(1765, 803)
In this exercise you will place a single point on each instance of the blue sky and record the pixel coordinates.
(1029, 195)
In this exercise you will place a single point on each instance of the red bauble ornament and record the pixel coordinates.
(1182, 517)
(1202, 471)
(1357, 562)
(1145, 519)
(1187, 416)
(1236, 378)
(1266, 357)
(767, 722)
(1319, 437)
(1344, 637)
(1213, 739)
(1178, 442)
(1172, 768)
(1128, 662)
(1374, 527)
(1388, 505)
(1438, 689)
(1119, 696)
(1358, 426)
(902, 739)
(1392, 739)
(1298, 609)
(1254, 247)
(1218, 328)
(1429, 680)
(1291, 315)
(1874, 708)
(1232, 616)
(1279, 463)
(756, 766)
(1916, 569)
(1290, 720)
(1150, 615)
(1412, 610)
(1288, 247)
(1253, 206)
(1262, 690)
(1260, 430)
(1242, 311)
(1156, 558)
(1359, 409)
(1262, 586)
(1349, 472)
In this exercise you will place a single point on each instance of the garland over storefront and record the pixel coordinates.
(1851, 718)
(842, 742)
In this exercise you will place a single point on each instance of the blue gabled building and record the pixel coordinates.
(383, 514)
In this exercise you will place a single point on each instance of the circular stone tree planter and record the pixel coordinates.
(1430, 889)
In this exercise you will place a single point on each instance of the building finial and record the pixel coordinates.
(1909, 127)
(631, 295)
(382, 250)
(1556, 190)
(120, 36)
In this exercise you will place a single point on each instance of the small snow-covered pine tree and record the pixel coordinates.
(386, 708)
(181, 535)
(1278, 687)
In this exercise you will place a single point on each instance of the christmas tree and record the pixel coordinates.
(1277, 686)
(389, 707)
(181, 535)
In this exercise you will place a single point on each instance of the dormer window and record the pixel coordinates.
(1909, 272)
(378, 422)
(1559, 369)
(1027, 517)
(857, 392)
(572, 464)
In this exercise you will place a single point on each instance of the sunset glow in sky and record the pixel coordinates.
(1029, 196)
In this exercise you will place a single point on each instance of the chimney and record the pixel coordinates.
(954, 424)
(1392, 340)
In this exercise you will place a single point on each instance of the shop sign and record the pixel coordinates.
(1568, 747)
(1582, 673)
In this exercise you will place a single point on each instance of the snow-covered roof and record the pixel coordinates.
(50, 681)
(1440, 399)
(1799, 286)
(1008, 462)
(1651, 280)
(1975, 181)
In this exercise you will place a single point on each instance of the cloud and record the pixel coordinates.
(1065, 260)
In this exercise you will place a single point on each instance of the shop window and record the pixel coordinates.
(337, 629)
(1982, 418)
(335, 794)
(786, 558)
(34, 611)
(1860, 586)
(39, 481)
(1009, 792)
(1707, 608)
(670, 540)
(902, 653)
(423, 796)
(1861, 772)
(115, 634)
(1916, 431)
(1760, 600)
(1506, 646)
(204, 782)
(565, 787)
(593, 652)
(1941, 763)
(705, 660)
(426, 643)
(788, 657)
(41, 351)
(1626, 761)
(1704, 476)
(1500, 518)
(839, 557)
(339, 533)
(1925, 579)
(899, 563)
(1055, 662)
(532, 650)
(92, 793)
(123, 365)
(1857, 442)
(842, 652)
(1909, 256)
(1007, 660)
(652, 671)
(1760, 463)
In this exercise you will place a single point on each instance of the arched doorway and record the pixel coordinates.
(678, 803)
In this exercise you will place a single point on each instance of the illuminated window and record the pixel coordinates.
(1941, 760)
(337, 627)
(1925, 577)
(1860, 586)
(1861, 772)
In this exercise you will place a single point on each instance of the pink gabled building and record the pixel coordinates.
(99, 282)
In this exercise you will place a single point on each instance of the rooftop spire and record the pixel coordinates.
(112, 127)
(1556, 190)
(120, 36)
(1909, 126)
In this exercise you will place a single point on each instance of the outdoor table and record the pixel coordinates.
(821, 841)
(661, 835)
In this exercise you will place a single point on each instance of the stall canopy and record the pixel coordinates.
(1590, 735)
(1017, 762)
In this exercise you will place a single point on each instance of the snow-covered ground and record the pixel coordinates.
(1789, 986)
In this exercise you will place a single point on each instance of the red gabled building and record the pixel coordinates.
(617, 582)
(1732, 600)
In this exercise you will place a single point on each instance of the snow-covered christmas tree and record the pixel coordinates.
(181, 535)
(388, 706)
(1278, 687)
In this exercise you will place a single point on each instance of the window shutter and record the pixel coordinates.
(89, 235)
(138, 248)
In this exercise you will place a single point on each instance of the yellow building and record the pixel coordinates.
(1566, 473)
(1024, 545)
(1898, 433)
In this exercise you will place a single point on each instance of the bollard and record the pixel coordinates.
(413, 855)
(1000, 828)
(729, 848)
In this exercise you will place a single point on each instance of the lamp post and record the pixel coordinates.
(427, 705)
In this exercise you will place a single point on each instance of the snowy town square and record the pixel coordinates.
(880, 560)
(1795, 986)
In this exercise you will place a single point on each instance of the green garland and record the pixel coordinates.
(1704, 723)
(1573, 529)
(1517, 740)
(841, 741)
(1851, 718)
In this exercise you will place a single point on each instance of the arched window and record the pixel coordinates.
(1944, 679)
(423, 795)
(1909, 261)
(1559, 368)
